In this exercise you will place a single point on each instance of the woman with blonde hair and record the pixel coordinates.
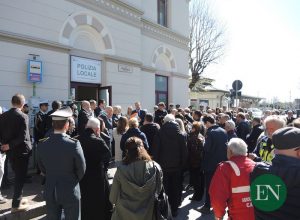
(135, 183)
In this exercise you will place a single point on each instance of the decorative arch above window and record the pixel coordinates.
(82, 23)
(164, 55)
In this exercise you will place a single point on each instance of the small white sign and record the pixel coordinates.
(85, 70)
(125, 68)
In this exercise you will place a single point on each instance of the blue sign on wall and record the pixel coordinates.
(35, 71)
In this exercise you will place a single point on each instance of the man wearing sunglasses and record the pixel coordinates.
(285, 165)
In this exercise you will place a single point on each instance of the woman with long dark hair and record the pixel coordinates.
(122, 127)
(134, 184)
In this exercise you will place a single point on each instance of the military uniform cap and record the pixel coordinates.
(62, 114)
(286, 138)
(44, 102)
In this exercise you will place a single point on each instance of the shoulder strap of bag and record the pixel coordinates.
(158, 180)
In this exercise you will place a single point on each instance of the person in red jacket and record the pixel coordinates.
(230, 186)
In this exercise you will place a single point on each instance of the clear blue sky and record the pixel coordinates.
(262, 47)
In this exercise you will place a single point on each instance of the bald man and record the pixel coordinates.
(83, 116)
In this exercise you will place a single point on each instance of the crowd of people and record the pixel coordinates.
(221, 151)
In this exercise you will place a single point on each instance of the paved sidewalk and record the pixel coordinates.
(33, 192)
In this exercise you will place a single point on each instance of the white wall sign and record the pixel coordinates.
(85, 70)
(125, 68)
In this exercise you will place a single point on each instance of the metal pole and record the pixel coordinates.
(236, 94)
(33, 89)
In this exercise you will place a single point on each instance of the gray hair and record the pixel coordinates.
(93, 123)
(238, 147)
(279, 120)
(181, 125)
(230, 124)
(169, 117)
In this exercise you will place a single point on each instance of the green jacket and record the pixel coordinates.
(133, 191)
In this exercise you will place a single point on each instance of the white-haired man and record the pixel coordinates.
(230, 185)
(94, 186)
(170, 151)
(264, 150)
(230, 129)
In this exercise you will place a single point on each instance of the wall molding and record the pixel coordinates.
(115, 9)
(37, 42)
(134, 16)
(162, 33)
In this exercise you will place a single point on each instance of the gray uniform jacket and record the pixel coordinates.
(61, 159)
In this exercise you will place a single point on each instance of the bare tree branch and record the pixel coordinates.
(206, 40)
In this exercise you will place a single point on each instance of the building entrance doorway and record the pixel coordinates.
(87, 91)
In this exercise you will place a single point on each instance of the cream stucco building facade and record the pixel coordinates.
(137, 59)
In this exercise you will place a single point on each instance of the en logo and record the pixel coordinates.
(268, 192)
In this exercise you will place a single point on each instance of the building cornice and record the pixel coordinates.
(133, 16)
(149, 69)
(117, 59)
(114, 9)
(162, 33)
(28, 40)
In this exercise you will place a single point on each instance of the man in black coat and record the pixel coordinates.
(286, 166)
(40, 122)
(150, 129)
(15, 139)
(160, 113)
(215, 151)
(55, 106)
(257, 129)
(243, 128)
(94, 185)
(170, 151)
(140, 112)
(83, 116)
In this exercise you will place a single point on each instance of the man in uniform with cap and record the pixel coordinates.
(61, 160)
(40, 121)
(286, 165)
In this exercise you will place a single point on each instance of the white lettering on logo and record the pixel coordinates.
(264, 189)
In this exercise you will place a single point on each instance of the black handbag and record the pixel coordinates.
(162, 209)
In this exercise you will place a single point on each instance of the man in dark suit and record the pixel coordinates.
(101, 106)
(290, 117)
(140, 112)
(83, 116)
(215, 151)
(15, 139)
(61, 159)
(94, 185)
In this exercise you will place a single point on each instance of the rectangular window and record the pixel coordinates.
(162, 12)
(161, 89)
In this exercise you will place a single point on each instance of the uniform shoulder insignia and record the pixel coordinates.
(43, 139)
(73, 139)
